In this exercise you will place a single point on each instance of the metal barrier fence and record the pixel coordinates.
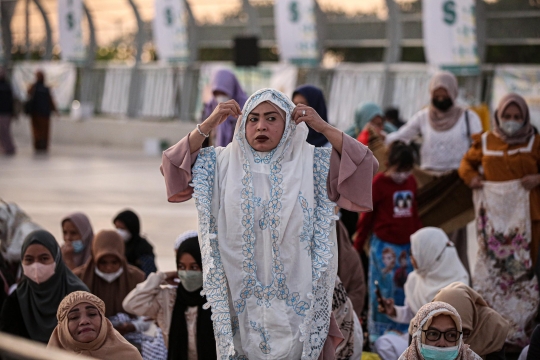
(155, 92)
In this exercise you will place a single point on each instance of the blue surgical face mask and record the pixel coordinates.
(438, 353)
(78, 246)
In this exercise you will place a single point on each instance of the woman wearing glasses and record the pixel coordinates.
(436, 264)
(437, 334)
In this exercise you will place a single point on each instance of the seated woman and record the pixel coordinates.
(78, 236)
(30, 311)
(108, 276)
(139, 252)
(484, 330)
(436, 264)
(437, 334)
(178, 309)
(83, 329)
(269, 271)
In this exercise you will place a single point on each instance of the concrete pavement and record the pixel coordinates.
(99, 181)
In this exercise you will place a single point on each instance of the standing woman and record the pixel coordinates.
(446, 130)
(225, 86)
(266, 223)
(178, 310)
(78, 236)
(312, 96)
(6, 114)
(139, 252)
(42, 105)
(108, 276)
(508, 159)
(30, 311)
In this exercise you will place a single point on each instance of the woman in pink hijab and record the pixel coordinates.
(78, 236)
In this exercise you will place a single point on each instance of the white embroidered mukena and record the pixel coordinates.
(267, 231)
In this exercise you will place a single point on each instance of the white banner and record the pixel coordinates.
(170, 34)
(59, 76)
(296, 31)
(70, 14)
(449, 28)
(523, 80)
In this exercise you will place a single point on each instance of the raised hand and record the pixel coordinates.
(310, 117)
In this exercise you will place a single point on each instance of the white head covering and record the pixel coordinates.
(438, 265)
(183, 237)
(270, 281)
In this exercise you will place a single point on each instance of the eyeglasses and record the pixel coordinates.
(434, 335)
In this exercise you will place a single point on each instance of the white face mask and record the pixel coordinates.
(38, 272)
(222, 98)
(191, 279)
(109, 277)
(400, 177)
(78, 246)
(510, 127)
(124, 234)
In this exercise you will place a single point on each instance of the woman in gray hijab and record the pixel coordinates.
(30, 311)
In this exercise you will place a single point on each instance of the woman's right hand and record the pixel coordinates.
(476, 183)
(387, 307)
(221, 113)
(170, 276)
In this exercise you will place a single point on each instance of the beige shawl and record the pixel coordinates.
(108, 345)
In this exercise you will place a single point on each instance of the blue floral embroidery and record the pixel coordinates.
(317, 320)
(265, 160)
(265, 337)
(215, 282)
(307, 229)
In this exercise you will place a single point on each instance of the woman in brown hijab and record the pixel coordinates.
(484, 330)
(108, 276)
(83, 329)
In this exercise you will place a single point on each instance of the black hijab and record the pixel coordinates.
(39, 302)
(315, 98)
(137, 246)
(178, 335)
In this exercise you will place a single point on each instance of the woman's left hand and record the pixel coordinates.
(529, 182)
(308, 115)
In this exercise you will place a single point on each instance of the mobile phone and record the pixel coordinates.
(380, 298)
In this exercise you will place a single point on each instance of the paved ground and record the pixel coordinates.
(100, 182)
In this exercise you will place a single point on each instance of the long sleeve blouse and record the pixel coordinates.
(346, 175)
(441, 150)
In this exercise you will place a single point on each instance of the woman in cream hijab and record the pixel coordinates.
(267, 224)
(83, 329)
(437, 334)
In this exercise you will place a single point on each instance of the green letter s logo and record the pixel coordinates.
(449, 9)
(293, 12)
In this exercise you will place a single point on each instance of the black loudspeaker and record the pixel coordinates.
(246, 51)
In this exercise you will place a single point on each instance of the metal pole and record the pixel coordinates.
(253, 27)
(392, 54)
(27, 28)
(48, 44)
(192, 35)
(139, 39)
(91, 52)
